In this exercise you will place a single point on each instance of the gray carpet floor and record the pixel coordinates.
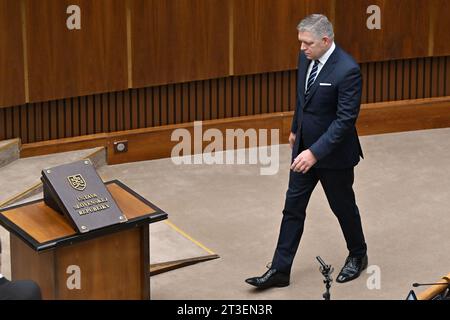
(403, 193)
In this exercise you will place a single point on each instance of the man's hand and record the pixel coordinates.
(292, 139)
(304, 162)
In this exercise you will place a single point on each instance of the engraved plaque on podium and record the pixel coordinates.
(78, 192)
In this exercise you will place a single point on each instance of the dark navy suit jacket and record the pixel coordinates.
(325, 122)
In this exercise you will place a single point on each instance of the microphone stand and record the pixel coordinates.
(326, 271)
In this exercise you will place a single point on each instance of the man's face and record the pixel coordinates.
(312, 46)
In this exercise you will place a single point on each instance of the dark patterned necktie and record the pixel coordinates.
(312, 77)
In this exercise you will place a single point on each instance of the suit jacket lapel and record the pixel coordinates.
(326, 70)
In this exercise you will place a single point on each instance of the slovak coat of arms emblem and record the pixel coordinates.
(77, 182)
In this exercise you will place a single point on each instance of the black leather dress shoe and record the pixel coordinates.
(272, 278)
(352, 269)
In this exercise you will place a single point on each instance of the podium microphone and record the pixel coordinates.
(434, 284)
(415, 285)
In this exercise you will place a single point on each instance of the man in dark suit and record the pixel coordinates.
(325, 148)
(18, 289)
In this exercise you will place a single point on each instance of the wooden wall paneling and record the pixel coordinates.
(221, 98)
(351, 32)
(170, 104)
(179, 40)
(199, 100)
(12, 80)
(371, 83)
(285, 98)
(399, 80)
(434, 77)
(156, 106)
(68, 118)
(248, 92)
(265, 93)
(2, 124)
(235, 93)
(53, 117)
(75, 105)
(293, 89)
(278, 99)
(38, 121)
(57, 56)
(120, 111)
(147, 99)
(83, 115)
(214, 98)
(141, 107)
(364, 92)
(192, 99)
(414, 79)
(61, 118)
(112, 110)
(271, 92)
(447, 80)
(45, 121)
(105, 103)
(181, 106)
(164, 105)
(385, 44)
(420, 78)
(16, 121)
(31, 121)
(265, 35)
(126, 107)
(210, 99)
(8, 123)
(228, 97)
(276, 87)
(26, 123)
(441, 76)
(441, 25)
(242, 97)
(392, 80)
(23, 125)
(159, 138)
(256, 94)
(400, 116)
(384, 81)
(406, 87)
(427, 78)
(134, 106)
(90, 110)
(98, 115)
(378, 82)
(181, 103)
(401, 37)
(185, 103)
(374, 119)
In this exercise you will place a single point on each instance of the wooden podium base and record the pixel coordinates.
(110, 263)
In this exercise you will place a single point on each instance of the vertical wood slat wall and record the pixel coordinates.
(210, 99)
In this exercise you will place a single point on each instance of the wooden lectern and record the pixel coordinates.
(106, 263)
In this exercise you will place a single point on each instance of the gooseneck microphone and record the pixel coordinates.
(430, 284)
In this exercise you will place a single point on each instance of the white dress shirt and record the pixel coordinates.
(1, 276)
(322, 60)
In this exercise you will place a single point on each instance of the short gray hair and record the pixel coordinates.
(317, 24)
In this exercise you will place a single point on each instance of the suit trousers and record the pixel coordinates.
(338, 187)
